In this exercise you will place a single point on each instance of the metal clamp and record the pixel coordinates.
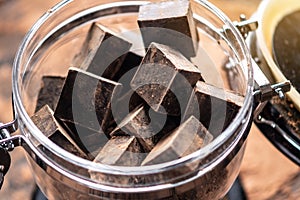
(5, 131)
(7, 143)
(264, 90)
(5, 160)
(10, 126)
(246, 25)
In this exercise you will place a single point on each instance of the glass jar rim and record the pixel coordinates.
(23, 115)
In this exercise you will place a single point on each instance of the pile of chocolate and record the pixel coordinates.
(161, 114)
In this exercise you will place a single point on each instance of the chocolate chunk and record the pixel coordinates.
(165, 79)
(130, 62)
(216, 107)
(125, 104)
(48, 125)
(127, 100)
(89, 140)
(49, 92)
(137, 124)
(103, 52)
(122, 151)
(170, 23)
(190, 136)
(84, 107)
(146, 125)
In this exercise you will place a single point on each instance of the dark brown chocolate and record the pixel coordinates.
(103, 52)
(131, 62)
(146, 125)
(84, 107)
(49, 92)
(89, 140)
(165, 79)
(137, 124)
(122, 151)
(125, 104)
(127, 100)
(170, 23)
(48, 125)
(215, 108)
(189, 137)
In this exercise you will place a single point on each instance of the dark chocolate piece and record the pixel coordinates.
(84, 107)
(125, 104)
(170, 23)
(131, 62)
(189, 137)
(216, 107)
(103, 52)
(146, 125)
(49, 92)
(137, 124)
(127, 100)
(165, 79)
(89, 140)
(48, 125)
(122, 151)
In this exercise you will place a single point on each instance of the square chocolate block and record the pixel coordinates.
(147, 126)
(170, 23)
(214, 107)
(84, 107)
(127, 100)
(89, 140)
(165, 79)
(189, 137)
(50, 91)
(48, 125)
(124, 104)
(122, 151)
(130, 64)
(103, 52)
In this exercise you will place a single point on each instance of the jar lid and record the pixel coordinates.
(279, 120)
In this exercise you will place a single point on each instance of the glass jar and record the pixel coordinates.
(284, 136)
(48, 49)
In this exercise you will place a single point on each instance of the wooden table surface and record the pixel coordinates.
(265, 172)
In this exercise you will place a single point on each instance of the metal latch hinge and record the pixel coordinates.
(246, 25)
(5, 131)
(263, 89)
(266, 92)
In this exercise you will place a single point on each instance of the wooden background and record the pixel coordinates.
(265, 173)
